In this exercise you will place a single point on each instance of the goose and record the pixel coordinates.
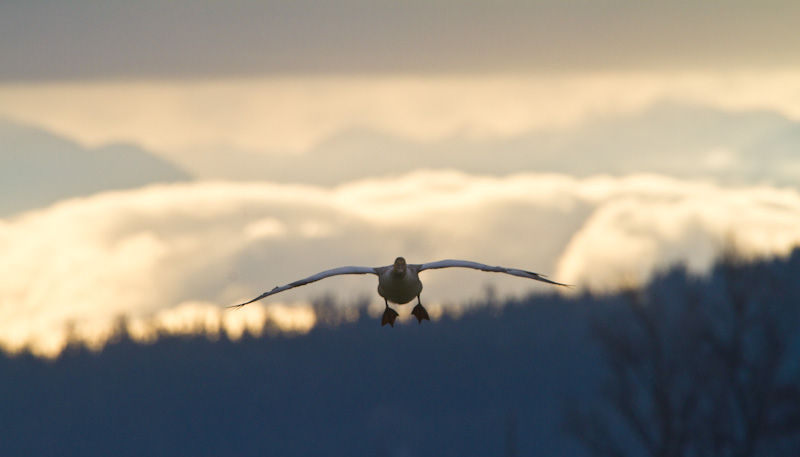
(400, 283)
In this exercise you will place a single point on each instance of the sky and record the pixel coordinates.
(248, 144)
(114, 39)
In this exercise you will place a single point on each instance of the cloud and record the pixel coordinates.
(263, 118)
(658, 222)
(293, 115)
(73, 39)
(171, 256)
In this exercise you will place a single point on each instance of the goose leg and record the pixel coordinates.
(389, 315)
(419, 311)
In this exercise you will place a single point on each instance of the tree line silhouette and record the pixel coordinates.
(683, 366)
(701, 366)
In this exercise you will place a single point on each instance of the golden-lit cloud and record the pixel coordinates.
(223, 88)
(292, 115)
(169, 257)
(638, 231)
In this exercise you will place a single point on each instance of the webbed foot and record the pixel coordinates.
(420, 313)
(388, 317)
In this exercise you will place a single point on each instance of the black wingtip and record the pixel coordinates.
(544, 278)
(247, 302)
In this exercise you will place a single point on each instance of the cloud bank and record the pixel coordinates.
(148, 39)
(292, 116)
(170, 256)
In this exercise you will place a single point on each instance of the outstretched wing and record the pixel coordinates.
(310, 279)
(484, 267)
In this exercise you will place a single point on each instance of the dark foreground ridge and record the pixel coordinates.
(527, 377)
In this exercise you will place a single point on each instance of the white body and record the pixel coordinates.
(399, 286)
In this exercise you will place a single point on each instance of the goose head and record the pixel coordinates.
(399, 266)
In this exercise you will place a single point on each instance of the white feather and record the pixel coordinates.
(415, 268)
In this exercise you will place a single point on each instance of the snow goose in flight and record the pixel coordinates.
(399, 283)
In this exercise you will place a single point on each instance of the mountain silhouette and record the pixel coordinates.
(679, 140)
(40, 168)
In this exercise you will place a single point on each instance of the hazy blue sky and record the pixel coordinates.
(594, 142)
